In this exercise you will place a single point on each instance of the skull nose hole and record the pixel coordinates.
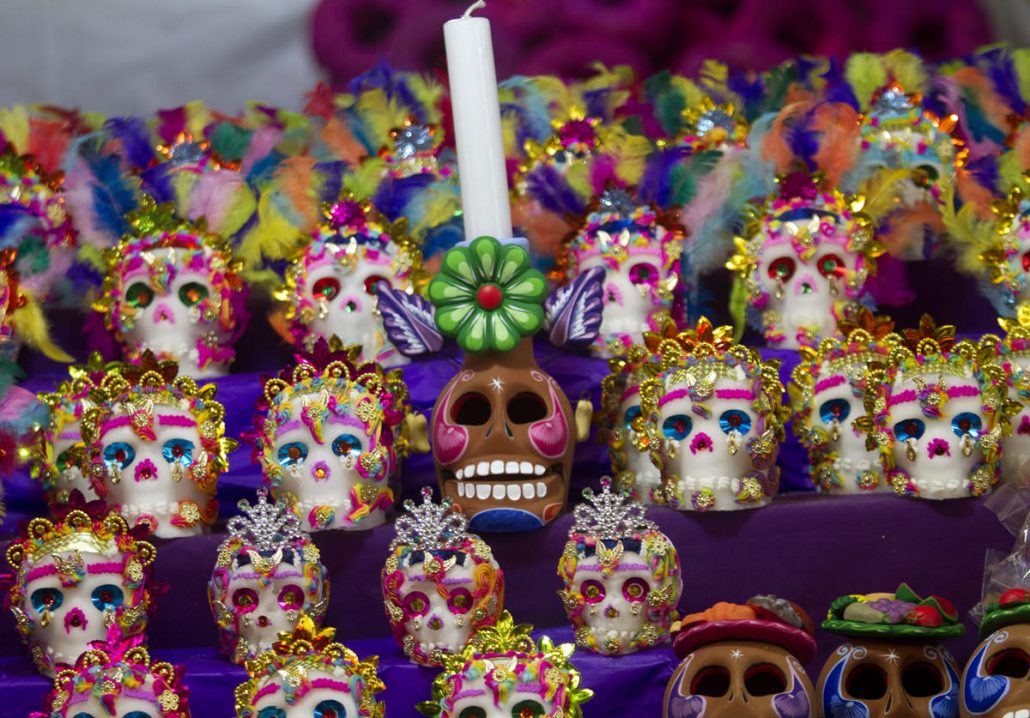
(1012, 662)
(525, 408)
(922, 680)
(712, 681)
(765, 679)
(472, 409)
(867, 682)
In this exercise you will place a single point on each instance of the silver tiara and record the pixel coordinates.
(265, 526)
(609, 515)
(430, 526)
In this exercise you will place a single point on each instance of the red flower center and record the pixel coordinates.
(489, 296)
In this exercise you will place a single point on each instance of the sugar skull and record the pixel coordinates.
(621, 574)
(156, 444)
(119, 681)
(305, 673)
(742, 661)
(441, 584)
(175, 289)
(826, 392)
(329, 434)
(75, 578)
(712, 418)
(639, 250)
(937, 410)
(806, 255)
(1014, 356)
(893, 663)
(994, 680)
(268, 572)
(620, 398)
(331, 282)
(506, 673)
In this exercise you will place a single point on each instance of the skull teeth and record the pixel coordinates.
(512, 490)
(1021, 713)
(500, 468)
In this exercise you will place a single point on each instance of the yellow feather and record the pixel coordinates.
(881, 190)
(692, 94)
(380, 113)
(907, 69)
(866, 73)
(441, 208)
(578, 177)
(1021, 60)
(14, 122)
(970, 236)
(274, 236)
(428, 92)
(362, 180)
(29, 323)
(239, 212)
(197, 117)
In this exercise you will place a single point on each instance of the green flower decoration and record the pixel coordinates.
(487, 296)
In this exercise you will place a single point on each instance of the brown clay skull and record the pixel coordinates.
(996, 681)
(503, 439)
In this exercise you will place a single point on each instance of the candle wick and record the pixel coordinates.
(477, 5)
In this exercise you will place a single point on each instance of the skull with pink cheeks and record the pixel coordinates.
(620, 398)
(329, 434)
(1014, 356)
(156, 445)
(331, 284)
(76, 577)
(639, 250)
(621, 574)
(267, 573)
(174, 289)
(712, 418)
(805, 257)
(441, 585)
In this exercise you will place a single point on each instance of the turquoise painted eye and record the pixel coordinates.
(834, 409)
(293, 453)
(271, 712)
(178, 451)
(107, 596)
(329, 709)
(49, 599)
(734, 420)
(965, 424)
(631, 413)
(909, 429)
(119, 453)
(677, 426)
(346, 444)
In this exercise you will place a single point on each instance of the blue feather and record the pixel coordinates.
(552, 191)
(803, 140)
(332, 179)
(15, 221)
(442, 237)
(750, 89)
(393, 195)
(262, 170)
(656, 183)
(113, 197)
(134, 136)
(838, 89)
(596, 102)
(157, 182)
(1003, 74)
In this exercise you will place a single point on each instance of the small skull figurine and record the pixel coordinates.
(330, 433)
(742, 661)
(1014, 356)
(441, 585)
(268, 572)
(621, 574)
(937, 409)
(156, 445)
(826, 392)
(805, 257)
(893, 659)
(305, 673)
(712, 418)
(994, 681)
(506, 673)
(639, 249)
(620, 399)
(76, 577)
(119, 681)
(331, 283)
(174, 288)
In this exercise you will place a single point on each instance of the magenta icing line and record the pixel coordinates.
(902, 397)
(632, 391)
(266, 691)
(835, 380)
(735, 394)
(114, 423)
(469, 693)
(176, 420)
(108, 567)
(347, 420)
(621, 567)
(278, 573)
(41, 572)
(673, 396)
(956, 391)
(287, 427)
(73, 435)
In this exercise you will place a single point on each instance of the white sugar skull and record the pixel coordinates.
(1014, 357)
(329, 436)
(640, 253)
(805, 259)
(157, 447)
(268, 573)
(714, 420)
(620, 401)
(622, 577)
(75, 579)
(306, 674)
(440, 584)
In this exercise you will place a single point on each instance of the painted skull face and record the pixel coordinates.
(994, 681)
(890, 678)
(331, 697)
(640, 253)
(626, 457)
(1012, 270)
(733, 678)
(1014, 356)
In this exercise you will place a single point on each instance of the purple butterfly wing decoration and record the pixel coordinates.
(573, 312)
(408, 320)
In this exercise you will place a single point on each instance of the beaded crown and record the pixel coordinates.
(430, 526)
(608, 515)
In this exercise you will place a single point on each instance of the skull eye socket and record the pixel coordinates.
(472, 409)
(245, 599)
(712, 681)
(49, 599)
(1026, 261)
(460, 601)
(63, 460)
(593, 591)
(631, 413)
(326, 288)
(867, 682)
(526, 407)
(132, 714)
(292, 453)
(271, 712)
(765, 679)
(372, 283)
(527, 709)
(178, 451)
(734, 420)
(119, 453)
(909, 429)
(1011, 662)
(966, 424)
(924, 175)
(635, 590)
(416, 603)
(782, 269)
(922, 680)
(677, 427)
(830, 265)
(838, 409)
(472, 712)
(329, 708)
(139, 295)
(346, 444)
(192, 293)
(291, 598)
(643, 273)
(107, 596)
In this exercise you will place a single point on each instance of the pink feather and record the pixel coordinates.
(712, 191)
(213, 195)
(602, 173)
(78, 196)
(262, 142)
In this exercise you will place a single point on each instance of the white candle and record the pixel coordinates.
(477, 126)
